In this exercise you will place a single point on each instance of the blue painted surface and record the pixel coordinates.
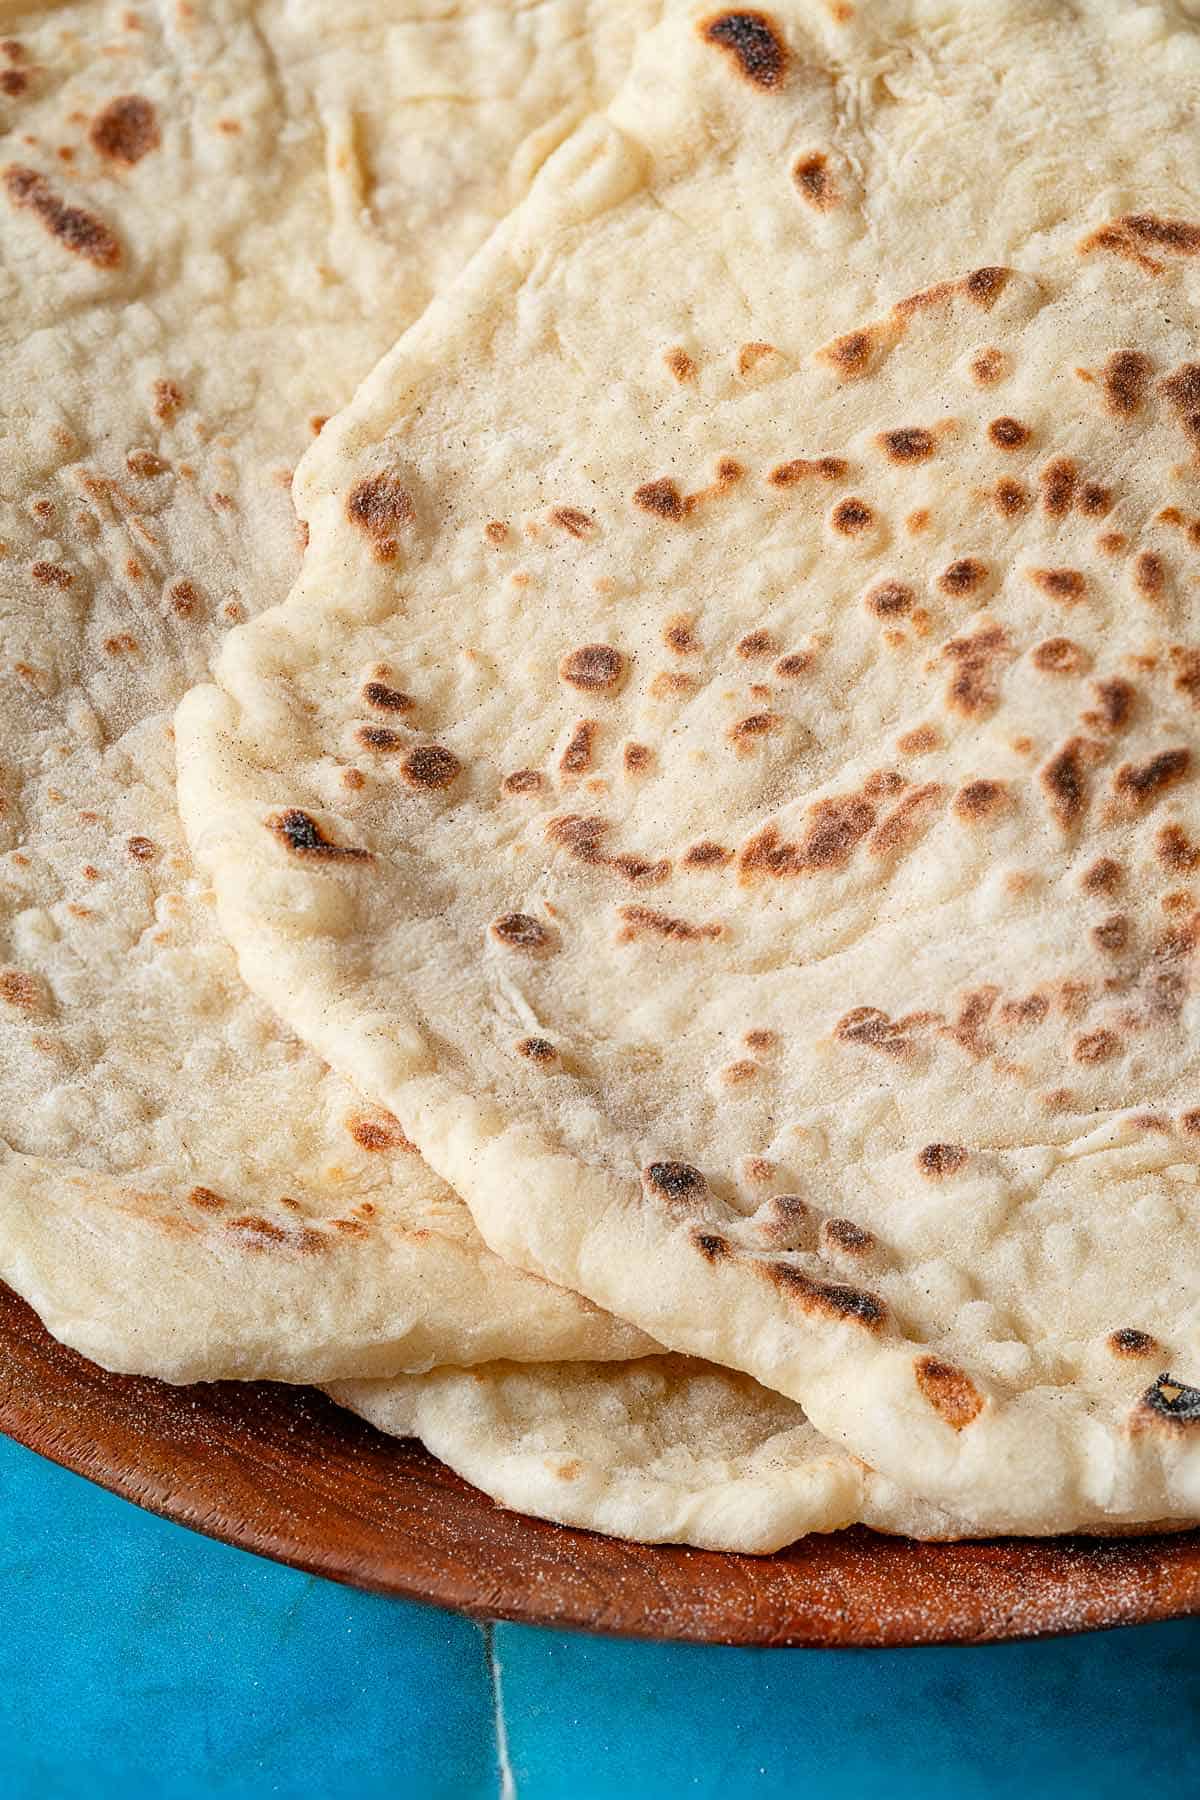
(138, 1659)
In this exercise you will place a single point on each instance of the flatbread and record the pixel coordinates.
(214, 220)
(773, 913)
(658, 1450)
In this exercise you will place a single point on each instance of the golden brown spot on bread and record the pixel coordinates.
(831, 1299)
(520, 931)
(20, 990)
(746, 732)
(142, 849)
(851, 516)
(168, 399)
(907, 444)
(902, 824)
(963, 576)
(1112, 934)
(939, 1160)
(1115, 699)
(951, 1393)
(571, 519)
(795, 664)
(668, 682)
(973, 689)
(845, 1235)
(1128, 1341)
(988, 366)
(1124, 380)
(430, 766)
(1182, 389)
(679, 636)
(495, 531)
(681, 365)
(978, 800)
(756, 643)
(258, 1233)
(871, 1029)
(385, 698)
(791, 474)
(760, 1040)
(1104, 876)
(537, 1050)
(1175, 850)
(642, 921)
(126, 130)
(380, 737)
(48, 574)
(890, 599)
(1064, 780)
(1186, 661)
(811, 175)
(1010, 497)
(985, 286)
(711, 1245)
(1059, 656)
(1112, 542)
(576, 758)
(750, 355)
(837, 826)
(583, 839)
(1096, 1047)
(853, 354)
(1057, 481)
(523, 781)
(1061, 584)
(380, 1132)
(753, 44)
(381, 505)
(206, 1199)
(706, 855)
(919, 741)
(14, 83)
(304, 837)
(1030, 1010)
(1140, 784)
(82, 233)
(1149, 574)
(662, 498)
(676, 1183)
(594, 668)
(637, 758)
(1095, 501)
(145, 464)
(1136, 233)
(1008, 433)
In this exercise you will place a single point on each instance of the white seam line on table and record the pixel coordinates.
(508, 1787)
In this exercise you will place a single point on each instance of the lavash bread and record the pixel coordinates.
(769, 905)
(212, 221)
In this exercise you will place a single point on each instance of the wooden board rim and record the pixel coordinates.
(285, 1474)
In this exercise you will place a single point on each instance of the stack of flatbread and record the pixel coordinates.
(600, 739)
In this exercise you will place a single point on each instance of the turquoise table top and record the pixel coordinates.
(138, 1659)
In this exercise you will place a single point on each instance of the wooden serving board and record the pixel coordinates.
(283, 1472)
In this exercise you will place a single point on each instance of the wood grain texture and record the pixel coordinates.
(283, 1472)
